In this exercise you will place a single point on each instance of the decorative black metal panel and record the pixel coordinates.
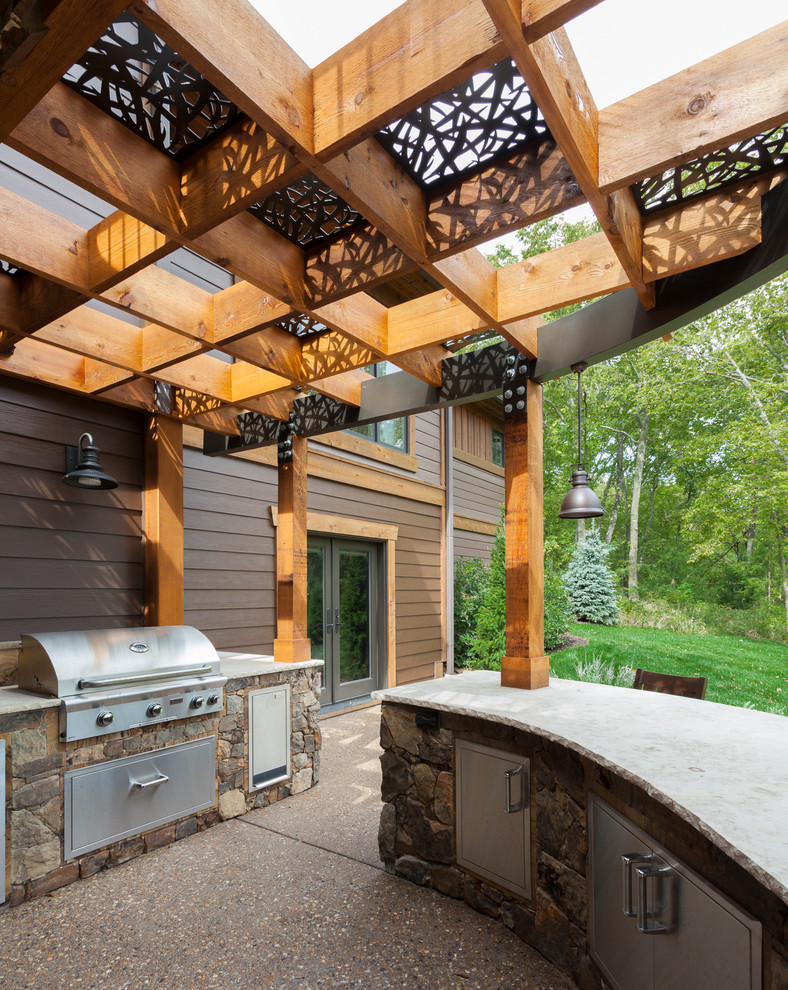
(307, 212)
(491, 114)
(133, 75)
(9, 269)
(303, 326)
(258, 430)
(743, 160)
(314, 414)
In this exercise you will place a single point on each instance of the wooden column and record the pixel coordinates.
(163, 522)
(291, 643)
(525, 664)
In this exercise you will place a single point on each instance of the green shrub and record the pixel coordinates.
(470, 583)
(589, 583)
(486, 642)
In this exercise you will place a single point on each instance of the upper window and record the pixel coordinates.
(497, 447)
(391, 432)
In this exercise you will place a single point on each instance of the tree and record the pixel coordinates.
(589, 582)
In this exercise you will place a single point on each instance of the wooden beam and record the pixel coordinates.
(522, 334)
(556, 83)
(10, 303)
(163, 522)
(291, 643)
(244, 58)
(429, 320)
(525, 664)
(345, 387)
(91, 148)
(37, 361)
(241, 166)
(540, 17)
(71, 28)
(703, 231)
(531, 185)
(730, 96)
(566, 275)
(119, 246)
(420, 50)
(359, 317)
(360, 260)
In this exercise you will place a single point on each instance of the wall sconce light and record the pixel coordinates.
(82, 466)
(580, 502)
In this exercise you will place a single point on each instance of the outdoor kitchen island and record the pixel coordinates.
(260, 746)
(631, 837)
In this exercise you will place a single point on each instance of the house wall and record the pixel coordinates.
(230, 541)
(68, 558)
(478, 482)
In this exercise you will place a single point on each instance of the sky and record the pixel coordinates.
(622, 45)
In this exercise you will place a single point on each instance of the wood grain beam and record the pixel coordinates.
(163, 521)
(730, 96)
(555, 81)
(540, 17)
(420, 50)
(71, 27)
(291, 643)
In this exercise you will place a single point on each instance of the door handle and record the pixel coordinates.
(628, 860)
(662, 921)
(510, 808)
(329, 624)
(140, 785)
(337, 623)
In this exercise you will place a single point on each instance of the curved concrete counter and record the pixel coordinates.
(722, 769)
(708, 782)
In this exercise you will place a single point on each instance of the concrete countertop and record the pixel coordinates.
(253, 665)
(720, 768)
(14, 699)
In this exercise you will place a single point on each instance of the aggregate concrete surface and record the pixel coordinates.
(290, 897)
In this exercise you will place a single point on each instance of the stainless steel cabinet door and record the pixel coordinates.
(624, 955)
(657, 925)
(119, 798)
(493, 815)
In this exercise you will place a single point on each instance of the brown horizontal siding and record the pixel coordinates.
(472, 545)
(70, 559)
(229, 551)
(477, 493)
(428, 447)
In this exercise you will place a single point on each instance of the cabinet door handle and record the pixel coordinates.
(510, 808)
(658, 925)
(140, 785)
(628, 860)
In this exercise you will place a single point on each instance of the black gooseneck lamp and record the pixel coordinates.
(83, 469)
(580, 502)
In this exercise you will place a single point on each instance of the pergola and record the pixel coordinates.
(348, 202)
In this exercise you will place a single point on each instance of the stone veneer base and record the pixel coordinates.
(36, 761)
(417, 840)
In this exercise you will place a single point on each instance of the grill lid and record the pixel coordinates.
(70, 663)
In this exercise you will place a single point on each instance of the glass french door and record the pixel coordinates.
(342, 615)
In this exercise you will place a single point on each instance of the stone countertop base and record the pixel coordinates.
(722, 769)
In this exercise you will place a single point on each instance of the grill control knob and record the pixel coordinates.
(154, 710)
(198, 702)
(105, 718)
(213, 699)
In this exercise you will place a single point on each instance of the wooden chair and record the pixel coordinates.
(688, 687)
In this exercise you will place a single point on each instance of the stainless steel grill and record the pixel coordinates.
(109, 680)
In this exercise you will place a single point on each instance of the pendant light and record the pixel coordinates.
(83, 469)
(580, 502)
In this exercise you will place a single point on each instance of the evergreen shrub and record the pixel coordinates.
(590, 584)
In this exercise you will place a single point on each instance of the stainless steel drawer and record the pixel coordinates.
(120, 798)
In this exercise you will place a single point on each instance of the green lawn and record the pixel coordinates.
(740, 670)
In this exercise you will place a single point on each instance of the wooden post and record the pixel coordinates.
(525, 665)
(163, 522)
(291, 643)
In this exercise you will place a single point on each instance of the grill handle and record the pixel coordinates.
(163, 675)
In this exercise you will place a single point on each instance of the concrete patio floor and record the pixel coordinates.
(291, 896)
